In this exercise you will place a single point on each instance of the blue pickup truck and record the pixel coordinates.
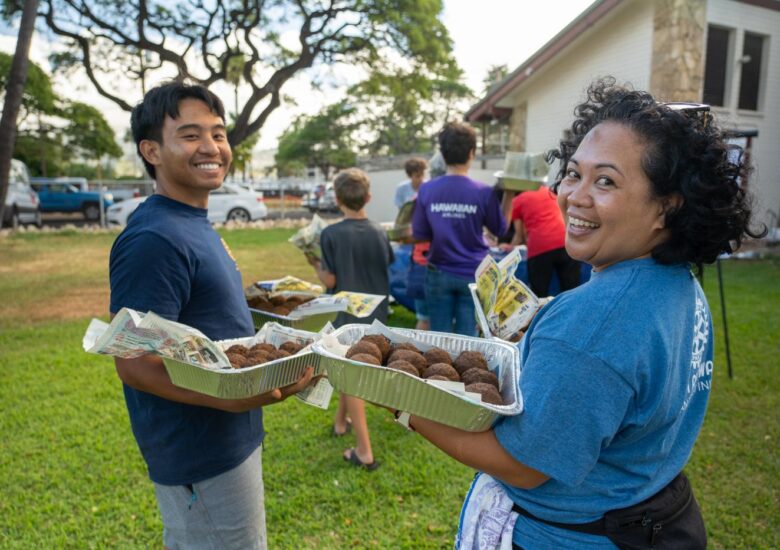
(70, 195)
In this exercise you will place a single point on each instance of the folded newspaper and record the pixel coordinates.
(308, 238)
(508, 304)
(288, 284)
(132, 334)
(355, 303)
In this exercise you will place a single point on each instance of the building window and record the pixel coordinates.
(716, 65)
(752, 58)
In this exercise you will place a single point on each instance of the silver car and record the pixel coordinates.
(21, 202)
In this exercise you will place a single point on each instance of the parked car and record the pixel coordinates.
(230, 202)
(21, 201)
(321, 199)
(70, 195)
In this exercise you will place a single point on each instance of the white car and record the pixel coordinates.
(228, 203)
(21, 201)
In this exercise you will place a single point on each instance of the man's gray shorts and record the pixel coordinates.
(224, 512)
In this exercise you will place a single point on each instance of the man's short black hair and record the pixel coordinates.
(147, 118)
(456, 142)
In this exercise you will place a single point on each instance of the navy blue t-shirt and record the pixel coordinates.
(169, 260)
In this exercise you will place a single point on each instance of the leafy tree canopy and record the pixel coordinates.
(401, 112)
(199, 41)
(323, 140)
(55, 130)
(38, 93)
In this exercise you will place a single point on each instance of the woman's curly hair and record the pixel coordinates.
(685, 154)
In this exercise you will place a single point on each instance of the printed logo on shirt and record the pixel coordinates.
(229, 252)
(701, 370)
(453, 209)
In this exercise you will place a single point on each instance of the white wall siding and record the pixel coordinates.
(619, 46)
(741, 17)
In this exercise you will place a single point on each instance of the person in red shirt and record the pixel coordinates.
(539, 224)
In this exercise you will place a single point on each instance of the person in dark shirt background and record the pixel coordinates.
(356, 255)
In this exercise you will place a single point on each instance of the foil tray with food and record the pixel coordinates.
(275, 357)
(460, 381)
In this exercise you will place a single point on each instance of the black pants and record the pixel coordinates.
(540, 270)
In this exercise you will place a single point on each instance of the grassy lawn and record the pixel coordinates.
(72, 475)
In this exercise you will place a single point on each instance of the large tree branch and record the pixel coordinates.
(83, 43)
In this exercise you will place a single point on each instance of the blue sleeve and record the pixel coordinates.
(421, 229)
(494, 217)
(399, 200)
(573, 406)
(147, 273)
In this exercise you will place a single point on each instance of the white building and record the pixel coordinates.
(722, 52)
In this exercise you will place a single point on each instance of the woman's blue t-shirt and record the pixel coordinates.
(171, 261)
(615, 378)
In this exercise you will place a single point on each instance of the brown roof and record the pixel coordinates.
(486, 107)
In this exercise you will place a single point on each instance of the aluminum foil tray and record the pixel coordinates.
(312, 323)
(241, 383)
(416, 396)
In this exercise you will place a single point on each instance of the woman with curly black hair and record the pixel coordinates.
(616, 373)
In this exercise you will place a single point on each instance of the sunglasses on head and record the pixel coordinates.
(687, 106)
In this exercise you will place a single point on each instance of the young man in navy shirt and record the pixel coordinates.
(203, 453)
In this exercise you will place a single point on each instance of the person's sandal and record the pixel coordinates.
(335, 433)
(354, 459)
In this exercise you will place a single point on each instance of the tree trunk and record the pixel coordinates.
(13, 95)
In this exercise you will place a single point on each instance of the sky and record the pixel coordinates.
(484, 34)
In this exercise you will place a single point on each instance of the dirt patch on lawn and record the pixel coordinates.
(77, 303)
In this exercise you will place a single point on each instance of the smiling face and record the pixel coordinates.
(194, 155)
(606, 200)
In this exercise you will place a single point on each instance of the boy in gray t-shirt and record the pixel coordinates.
(356, 255)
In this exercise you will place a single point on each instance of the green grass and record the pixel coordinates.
(72, 475)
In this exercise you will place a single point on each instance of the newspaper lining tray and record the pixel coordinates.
(481, 319)
(241, 383)
(399, 390)
(312, 323)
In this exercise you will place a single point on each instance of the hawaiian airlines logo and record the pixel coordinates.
(453, 209)
(701, 369)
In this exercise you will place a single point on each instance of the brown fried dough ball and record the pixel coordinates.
(280, 353)
(366, 358)
(237, 348)
(275, 354)
(438, 377)
(237, 360)
(437, 355)
(278, 300)
(414, 358)
(442, 369)
(257, 358)
(469, 360)
(472, 376)
(263, 346)
(404, 345)
(379, 341)
(404, 366)
(281, 310)
(488, 392)
(259, 302)
(366, 347)
(291, 347)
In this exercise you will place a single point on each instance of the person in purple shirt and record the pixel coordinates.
(451, 212)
